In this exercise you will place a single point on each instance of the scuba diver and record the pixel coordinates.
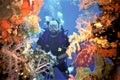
(55, 40)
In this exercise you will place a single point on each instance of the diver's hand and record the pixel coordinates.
(52, 56)
(62, 56)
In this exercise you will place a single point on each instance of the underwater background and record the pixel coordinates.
(68, 11)
(92, 28)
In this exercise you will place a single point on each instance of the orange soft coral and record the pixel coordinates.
(107, 52)
(31, 6)
(37, 5)
(17, 39)
(118, 34)
(25, 8)
(85, 56)
(5, 37)
(4, 24)
(16, 20)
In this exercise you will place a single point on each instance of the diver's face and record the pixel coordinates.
(53, 27)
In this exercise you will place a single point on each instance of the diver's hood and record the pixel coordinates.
(54, 26)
